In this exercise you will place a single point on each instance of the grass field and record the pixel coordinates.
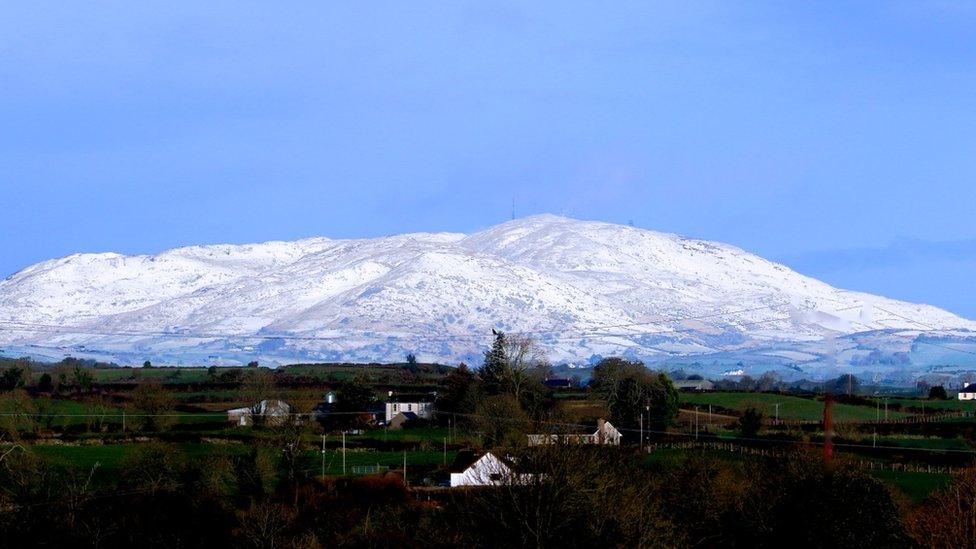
(59, 413)
(423, 460)
(932, 443)
(110, 456)
(791, 407)
(175, 375)
(940, 405)
(916, 486)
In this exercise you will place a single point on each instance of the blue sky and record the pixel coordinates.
(840, 139)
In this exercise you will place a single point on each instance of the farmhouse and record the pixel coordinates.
(422, 405)
(603, 433)
(401, 420)
(968, 392)
(487, 470)
(270, 412)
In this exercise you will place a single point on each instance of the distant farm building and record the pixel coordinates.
(421, 405)
(604, 433)
(694, 385)
(968, 392)
(270, 412)
(401, 420)
(558, 383)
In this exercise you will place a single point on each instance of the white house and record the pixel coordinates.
(487, 470)
(273, 412)
(605, 433)
(421, 405)
(968, 392)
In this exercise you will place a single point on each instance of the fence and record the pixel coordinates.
(780, 453)
(369, 469)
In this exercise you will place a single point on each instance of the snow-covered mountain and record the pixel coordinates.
(582, 288)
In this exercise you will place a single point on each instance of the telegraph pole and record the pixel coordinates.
(405, 483)
(323, 455)
(828, 427)
(777, 411)
(642, 430)
(343, 453)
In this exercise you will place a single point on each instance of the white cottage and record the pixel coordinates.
(487, 470)
(968, 392)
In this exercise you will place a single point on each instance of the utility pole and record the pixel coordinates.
(123, 421)
(445, 450)
(777, 411)
(709, 418)
(343, 453)
(886, 408)
(642, 430)
(696, 422)
(405, 483)
(323, 455)
(828, 428)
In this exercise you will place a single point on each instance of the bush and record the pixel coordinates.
(750, 422)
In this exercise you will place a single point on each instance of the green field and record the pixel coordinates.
(932, 443)
(916, 486)
(175, 375)
(59, 413)
(110, 456)
(940, 405)
(791, 407)
(424, 460)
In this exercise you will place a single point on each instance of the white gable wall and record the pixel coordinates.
(487, 471)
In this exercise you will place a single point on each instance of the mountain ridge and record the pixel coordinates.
(440, 294)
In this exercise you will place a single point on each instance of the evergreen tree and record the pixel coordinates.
(493, 371)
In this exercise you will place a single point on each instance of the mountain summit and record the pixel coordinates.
(582, 288)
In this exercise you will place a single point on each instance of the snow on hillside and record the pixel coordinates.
(582, 288)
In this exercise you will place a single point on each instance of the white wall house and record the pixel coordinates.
(488, 470)
(424, 410)
(273, 412)
(605, 433)
(968, 392)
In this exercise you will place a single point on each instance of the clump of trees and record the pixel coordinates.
(353, 398)
(630, 392)
(154, 406)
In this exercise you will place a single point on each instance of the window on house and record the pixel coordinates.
(495, 476)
